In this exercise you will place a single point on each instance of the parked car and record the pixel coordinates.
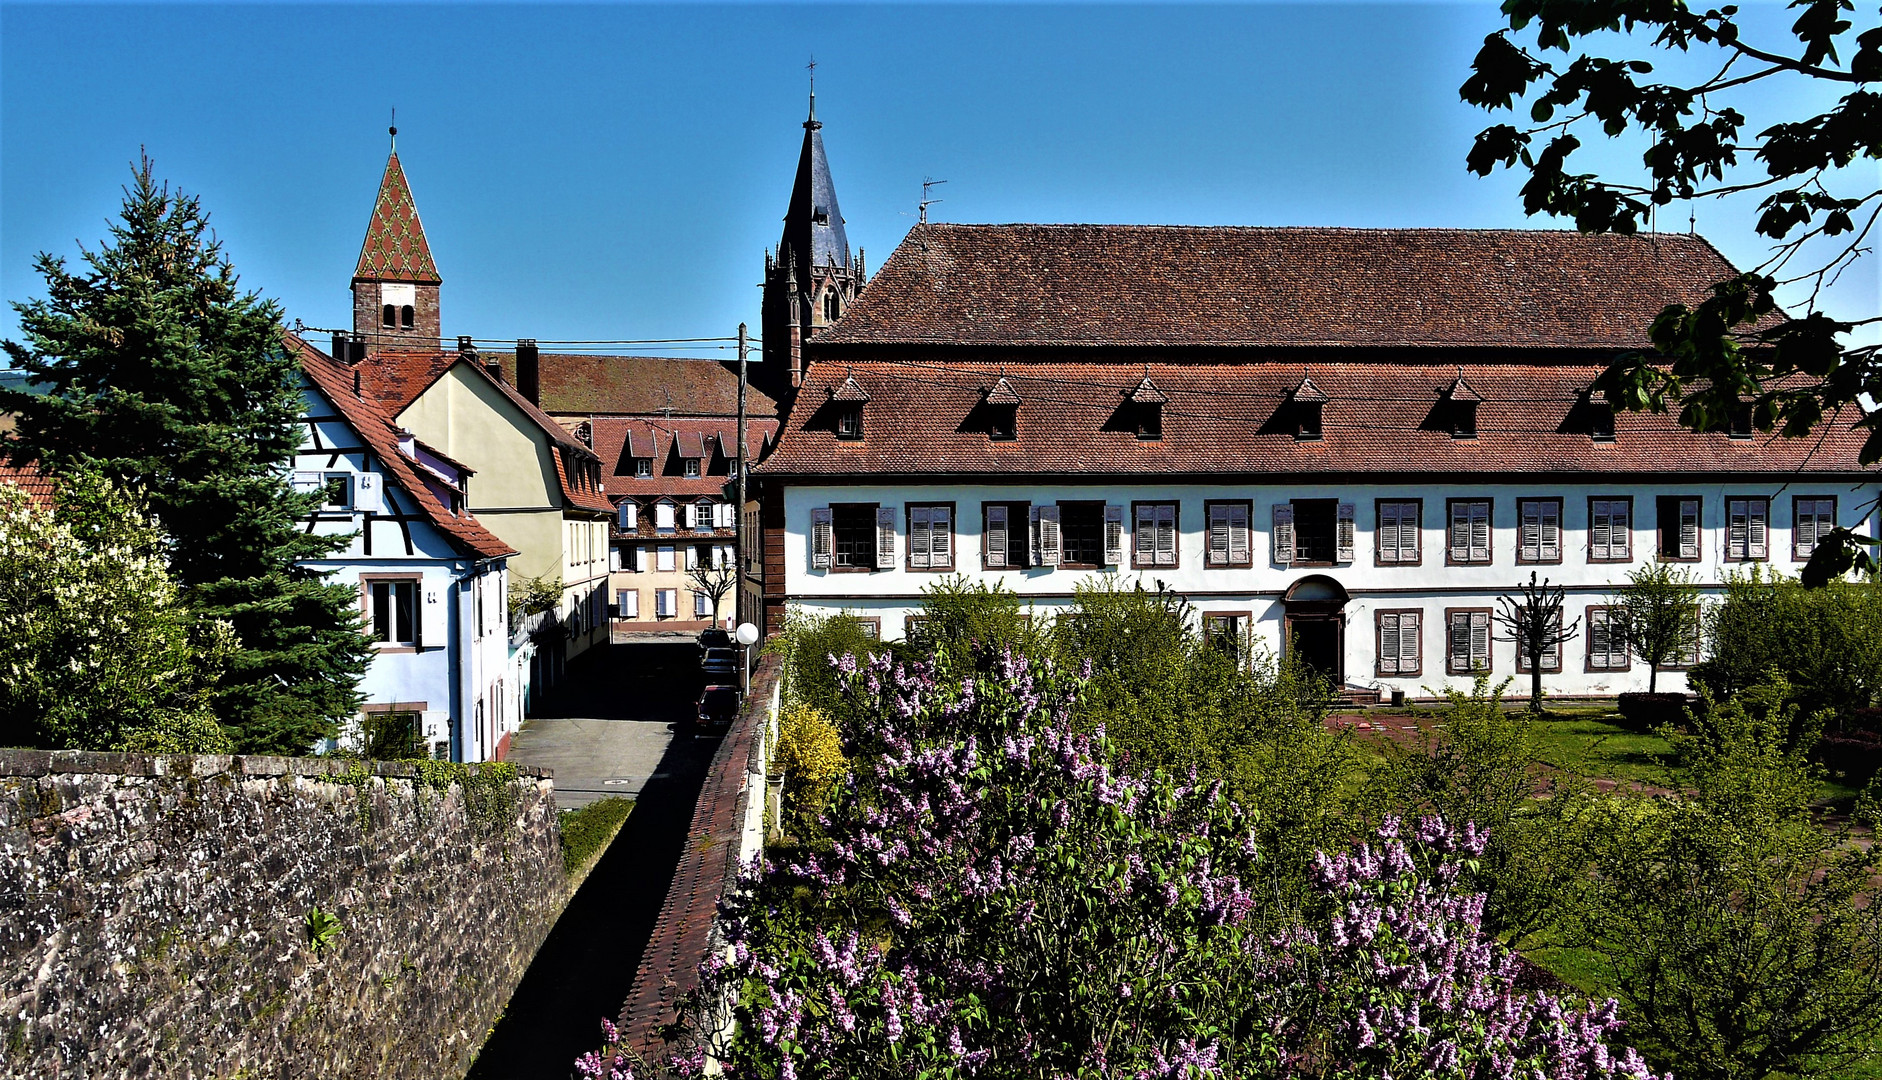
(718, 706)
(712, 637)
(716, 662)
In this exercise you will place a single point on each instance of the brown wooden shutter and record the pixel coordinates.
(1049, 546)
(1621, 529)
(1283, 514)
(1218, 535)
(1532, 531)
(1459, 652)
(1551, 531)
(1113, 536)
(1166, 534)
(1389, 637)
(1600, 530)
(1145, 534)
(1479, 641)
(1460, 532)
(1758, 529)
(822, 538)
(996, 537)
(1689, 528)
(940, 537)
(1598, 638)
(1480, 532)
(1409, 643)
(1388, 532)
(918, 518)
(885, 537)
(1343, 533)
(1240, 549)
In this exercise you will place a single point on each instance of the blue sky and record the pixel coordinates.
(616, 172)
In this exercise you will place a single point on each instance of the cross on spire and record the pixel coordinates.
(812, 68)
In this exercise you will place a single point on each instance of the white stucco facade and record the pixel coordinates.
(1433, 586)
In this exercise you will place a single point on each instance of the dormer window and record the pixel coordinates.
(692, 466)
(820, 216)
(703, 516)
(848, 400)
(1741, 427)
(1002, 405)
(1308, 406)
(389, 316)
(643, 466)
(1462, 402)
(1146, 405)
(1600, 417)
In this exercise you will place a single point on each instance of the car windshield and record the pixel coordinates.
(720, 698)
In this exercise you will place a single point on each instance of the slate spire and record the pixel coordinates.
(395, 247)
(813, 225)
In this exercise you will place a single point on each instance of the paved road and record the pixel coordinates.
(623, 713)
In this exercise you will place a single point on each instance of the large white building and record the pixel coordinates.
(1345, 442)
(432, 581)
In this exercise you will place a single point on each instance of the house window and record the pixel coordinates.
(703, 514)
(1468, 649)
(666, 603)
(1470, 532)
(627, 601)
(691, 466)
(405, 316)
(1740, 423)
(1815, 516)
(392, 611)
(1396, 538)
(1540, 521)
(1679, 528)
(664, 514)
(1226, 630)
(702, 605)
(664, 557)
(1228, 533)
(1607, 640)
(1401, 645)
(931, 536)
(643, 466)
(1004, 536)
(1150, 420)
(1747, 529)
(853, 536)
(849, 420)
(871, 627)
(389, 316)
(1307, 420)
(1081, 531)
(1316, 524)
(1610, 530)
(1551, 656)
(1155, 534)
(1600, 422)
(1463, 419)
(336, 491)
(1003, 422)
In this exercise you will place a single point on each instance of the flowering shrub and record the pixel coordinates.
(995, 898)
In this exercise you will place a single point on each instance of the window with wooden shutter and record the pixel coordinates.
(1113, 536)
(1610, 530)
(1155, 535)
(918, 524)
(1678, 528)
(1400, 643)
(1470, 531)
(628, 602)
(931, 537)
(663, 514)
(822, 542)
(1283, 533)
(1049, 549)
(705, 516)
(692, 557)
(1228, 541)
(1540, 525)
(1813, 518)
(993, 554)
(885, 537)
(1343, 533)
(1396, 535)
(1747, 529)
(1607, 641)
(1218, 535)
(630, 515)
(1469, 641)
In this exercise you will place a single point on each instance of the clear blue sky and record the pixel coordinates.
(618, 171)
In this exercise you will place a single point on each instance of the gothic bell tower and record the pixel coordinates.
(812, 278)
(395, 285)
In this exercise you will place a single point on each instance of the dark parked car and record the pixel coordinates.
(717, 662)
(718, 705)
(713, 637)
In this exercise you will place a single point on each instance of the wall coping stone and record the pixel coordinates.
(17, 762)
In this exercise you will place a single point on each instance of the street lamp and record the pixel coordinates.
(746, 635)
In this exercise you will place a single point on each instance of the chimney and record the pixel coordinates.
(495, 367)
(465, 348)
(348, 348)
(528, 370)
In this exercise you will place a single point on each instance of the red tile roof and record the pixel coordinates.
(638, 385)
(395, 247)
(37, 485)
(1228, 418)
(396, 378)
(1030, 285)
(655, 438)
(376, 427)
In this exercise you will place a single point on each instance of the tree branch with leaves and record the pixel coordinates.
(1658, 613)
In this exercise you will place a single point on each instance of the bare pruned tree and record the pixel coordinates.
(714, 581)
(1533, 617)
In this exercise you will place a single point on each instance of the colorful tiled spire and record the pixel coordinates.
(395, 248)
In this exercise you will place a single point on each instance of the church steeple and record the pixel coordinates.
(395, 284)
(813, 277)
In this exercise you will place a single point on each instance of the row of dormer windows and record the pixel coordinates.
(1091, 534)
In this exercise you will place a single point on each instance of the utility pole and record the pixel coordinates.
(741, 616)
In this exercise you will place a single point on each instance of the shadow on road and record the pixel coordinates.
(586, 966)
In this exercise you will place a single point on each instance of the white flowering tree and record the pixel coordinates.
(100, 651)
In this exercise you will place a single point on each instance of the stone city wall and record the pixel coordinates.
(161, 916)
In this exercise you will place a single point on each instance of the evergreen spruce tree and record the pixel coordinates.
(159, 373)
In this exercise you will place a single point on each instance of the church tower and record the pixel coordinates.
(812, 278)
(395, 285)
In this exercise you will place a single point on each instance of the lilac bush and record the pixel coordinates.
(994, 897)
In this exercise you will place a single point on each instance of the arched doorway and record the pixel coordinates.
(1315, 624)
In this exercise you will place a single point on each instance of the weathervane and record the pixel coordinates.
(394, 130)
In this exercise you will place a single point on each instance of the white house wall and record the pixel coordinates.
(893, 594)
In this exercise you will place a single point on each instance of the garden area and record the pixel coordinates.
(1110, 846)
